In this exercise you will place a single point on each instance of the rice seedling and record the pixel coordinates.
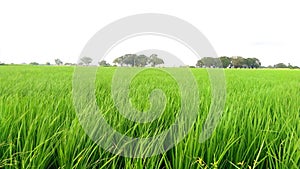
(259, 127)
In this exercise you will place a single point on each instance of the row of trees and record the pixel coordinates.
(229, 62)
(153, 60)
(134, 60)
(282, 65)
(83, 61)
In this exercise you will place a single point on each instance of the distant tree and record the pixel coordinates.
(257, 63)
(199, 63)
(253, 62)
(68, 64)
(280, 65)
(135, 60)
(130, 59)
(119, 60)
(86, 60)
(141, 60)
(208, 62)
(48, 63)
(34, 63)
(155, 60)
(58, 62)
(103, 63)
(226, 61)
(239, 62)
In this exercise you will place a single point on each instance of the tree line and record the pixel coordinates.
(237, 62)
(153, 60)
(135, 60)
(228, 62)
(282, 65)
(132, 60)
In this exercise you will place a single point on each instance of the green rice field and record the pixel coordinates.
(259, 127)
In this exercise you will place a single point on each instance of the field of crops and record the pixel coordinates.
(259, 128)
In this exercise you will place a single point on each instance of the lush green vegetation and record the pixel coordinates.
(259, 127)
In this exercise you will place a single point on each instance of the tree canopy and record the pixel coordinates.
(58, 62)
(135, 60)
(280, 65)
(86, 60)
(155, 60)
(103, 63)
(229, 62)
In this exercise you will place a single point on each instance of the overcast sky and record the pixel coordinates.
(41, 31)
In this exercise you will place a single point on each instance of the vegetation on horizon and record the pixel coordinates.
(135, 60)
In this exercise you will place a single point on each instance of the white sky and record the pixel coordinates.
(44, 30)
(139, 44)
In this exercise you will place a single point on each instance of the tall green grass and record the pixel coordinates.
(259, 126)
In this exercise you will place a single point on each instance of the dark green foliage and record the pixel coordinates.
(86, 60)
(104, 63)
(58, 62)
(134, 60)
(34, 63)
(226, 62)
